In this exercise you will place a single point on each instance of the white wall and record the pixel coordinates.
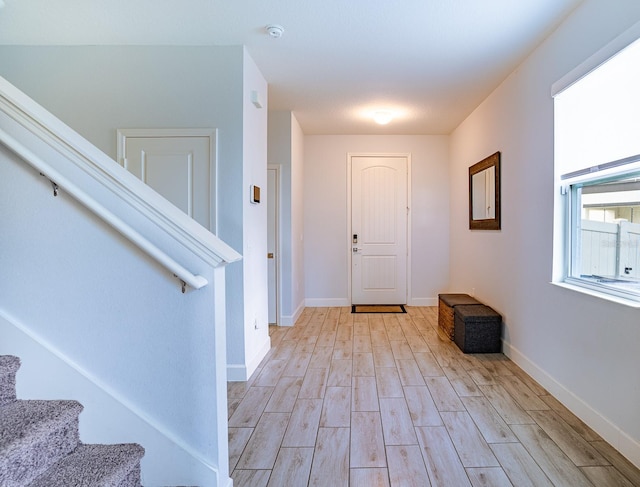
(97, 90)
(296, 304)
(583, 349)
(286, 148)
(97, 320)
(255, 336)
(326, 221)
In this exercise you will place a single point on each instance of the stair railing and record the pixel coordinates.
(59, 181)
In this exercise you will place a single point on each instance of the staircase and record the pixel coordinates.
(40, 444)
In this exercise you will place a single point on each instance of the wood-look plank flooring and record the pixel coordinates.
(373, 400)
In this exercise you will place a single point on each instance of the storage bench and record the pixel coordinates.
(477, 329)
(446, 305)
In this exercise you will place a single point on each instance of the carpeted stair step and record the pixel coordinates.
(9, 365)
(40, 446)
(33, 436)
(95, 466)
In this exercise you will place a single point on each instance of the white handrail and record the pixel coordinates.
(195, 281)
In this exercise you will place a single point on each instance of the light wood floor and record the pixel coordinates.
(381, 400)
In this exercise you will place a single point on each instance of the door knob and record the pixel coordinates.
(270, 255)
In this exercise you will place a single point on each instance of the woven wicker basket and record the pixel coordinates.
(477, 329)
(446, 304)
(445, 319)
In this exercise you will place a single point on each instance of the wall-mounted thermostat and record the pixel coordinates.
(254, 196)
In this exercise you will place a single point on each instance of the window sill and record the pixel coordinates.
(599, 294)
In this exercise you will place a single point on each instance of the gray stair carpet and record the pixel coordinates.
(34, 435)
(40, 444)
(96, 465)
(9, 365)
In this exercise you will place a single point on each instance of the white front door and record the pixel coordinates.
(178, 164)
(379, 229)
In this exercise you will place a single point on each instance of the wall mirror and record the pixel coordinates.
(484, 194)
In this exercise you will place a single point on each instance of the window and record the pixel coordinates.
(604, 234)
(597, 163)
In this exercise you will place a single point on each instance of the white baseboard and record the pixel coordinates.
(612, 434)
(242, 372)
(255, 361)
(236, 372)
(291, 320)
(340, 302)
(326, 302)
(423, 302)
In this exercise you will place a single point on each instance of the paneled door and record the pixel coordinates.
(179, 164)
(379, 215)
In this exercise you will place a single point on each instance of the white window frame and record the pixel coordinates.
(572, 183)
(567, 204)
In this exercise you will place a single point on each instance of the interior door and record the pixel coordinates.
(379, 229)
(179, 166)
(272, 243)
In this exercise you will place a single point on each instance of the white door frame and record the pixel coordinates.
(278, 170)
(349, 245)
(211, 133)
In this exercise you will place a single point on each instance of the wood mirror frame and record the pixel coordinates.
(484, 191)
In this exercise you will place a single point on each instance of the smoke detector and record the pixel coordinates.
(275, 30)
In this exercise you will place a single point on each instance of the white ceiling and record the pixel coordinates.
(430, 61)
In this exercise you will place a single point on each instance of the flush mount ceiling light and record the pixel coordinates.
(275, 30)
(382, 117)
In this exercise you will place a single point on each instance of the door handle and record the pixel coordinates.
(270, 255)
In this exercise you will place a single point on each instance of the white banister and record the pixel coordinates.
(194, 281)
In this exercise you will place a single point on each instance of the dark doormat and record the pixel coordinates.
(378, 308)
